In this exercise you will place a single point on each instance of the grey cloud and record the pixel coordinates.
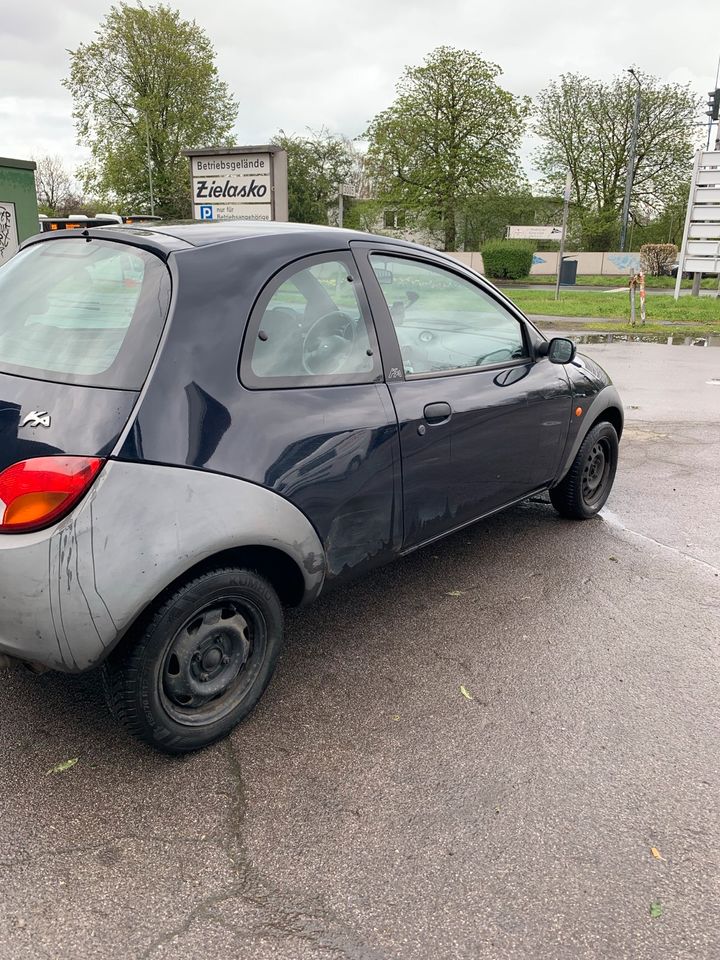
(298, 63)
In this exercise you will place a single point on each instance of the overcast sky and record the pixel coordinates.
(312, 63)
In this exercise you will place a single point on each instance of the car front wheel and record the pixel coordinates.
(586, 486)
(201, 662)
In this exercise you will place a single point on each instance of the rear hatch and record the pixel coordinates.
(80, 321)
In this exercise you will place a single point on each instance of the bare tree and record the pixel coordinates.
(55, 188)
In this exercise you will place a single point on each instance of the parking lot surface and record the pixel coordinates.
(562, 804)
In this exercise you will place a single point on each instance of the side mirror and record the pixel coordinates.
(559, 350)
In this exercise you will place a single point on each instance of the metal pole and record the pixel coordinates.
(642, 299)
(630, 176)
(340, 206)
(149, 166)
(710, 120)
(566, 207)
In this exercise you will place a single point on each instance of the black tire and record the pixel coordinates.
(200, 663)
(586, 486)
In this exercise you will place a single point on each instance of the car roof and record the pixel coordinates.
(169, 237)
(199, 234)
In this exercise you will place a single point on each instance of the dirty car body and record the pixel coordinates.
(304, 403)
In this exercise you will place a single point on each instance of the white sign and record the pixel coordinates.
(534, 233)
(8, 231)
(700, 251)
(232, 187)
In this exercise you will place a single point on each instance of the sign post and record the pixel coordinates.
(344, 190)
(239, 183)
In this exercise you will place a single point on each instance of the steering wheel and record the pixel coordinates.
(328, 343)
(497, 356)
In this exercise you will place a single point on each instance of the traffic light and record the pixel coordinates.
(713, 110)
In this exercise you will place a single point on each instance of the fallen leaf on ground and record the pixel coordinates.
(655, 910)
(656, 853)
(454, 593)
(65, 765)
(396, 717)
(615, 559)
(466, 693)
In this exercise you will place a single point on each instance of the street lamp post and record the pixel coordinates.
(631, 162)
(149, 166)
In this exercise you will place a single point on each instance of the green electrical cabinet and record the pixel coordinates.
(18, 205)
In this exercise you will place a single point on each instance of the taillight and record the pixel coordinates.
(36, 493)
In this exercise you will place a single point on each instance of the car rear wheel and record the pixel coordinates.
(200, 664)
(586, 486)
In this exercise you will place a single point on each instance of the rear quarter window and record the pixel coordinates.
(82, 311)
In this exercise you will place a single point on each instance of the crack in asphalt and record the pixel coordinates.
(277, 916)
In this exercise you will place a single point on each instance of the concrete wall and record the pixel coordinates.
(470, 259)
(608, 264)
(602, 263)
(620, 264)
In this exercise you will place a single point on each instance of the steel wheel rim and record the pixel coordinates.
(596, 472)
(213, 660)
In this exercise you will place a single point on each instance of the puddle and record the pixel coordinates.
(712, 340)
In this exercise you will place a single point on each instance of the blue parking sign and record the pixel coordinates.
(206, 211)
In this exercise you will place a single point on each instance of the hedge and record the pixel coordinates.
(506, 260)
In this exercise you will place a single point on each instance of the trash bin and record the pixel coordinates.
(568, 272)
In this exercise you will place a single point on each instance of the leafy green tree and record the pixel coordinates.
(586, 129)
(451, 134)
(666, 227)
(150, 76)
(318, 164)
(486, 216)
(365, 214)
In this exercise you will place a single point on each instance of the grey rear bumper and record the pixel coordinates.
(68, 594)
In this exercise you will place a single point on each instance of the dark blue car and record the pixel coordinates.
(202, 423)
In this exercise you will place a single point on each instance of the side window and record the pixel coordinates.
(309, 328)
(443, 322)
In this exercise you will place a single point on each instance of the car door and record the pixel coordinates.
(310, 367)
(481, 420)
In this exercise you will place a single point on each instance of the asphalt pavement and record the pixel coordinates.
(565, 805)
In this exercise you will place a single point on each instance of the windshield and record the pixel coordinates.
(82, 311)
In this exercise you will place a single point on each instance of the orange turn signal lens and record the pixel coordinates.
(31, 507)
(578, 411)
